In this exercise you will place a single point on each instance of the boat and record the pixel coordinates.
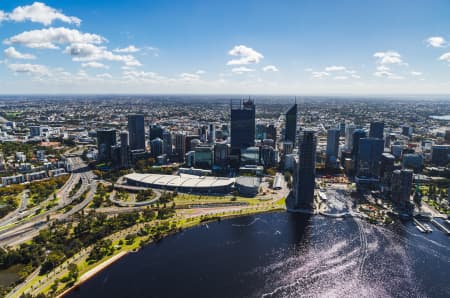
(428, 229)
(420, 229)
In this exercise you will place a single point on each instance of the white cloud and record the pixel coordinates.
(241, 70)
(189, 76)
(39, 13)
(94, 64)
(340, 78)
(129, 49)
(11, 52)
(84, 52)
(387, 74)
(355, 76)
(389, 57)
(51, 37)
(142, 76)
(335, 68)
(436, 42)
(416, 73)
(200, 72)
(246, 55)
(35, 69)
(320, 74)
(104, 76)
(445, 57)
(270, 68)
(2, 16)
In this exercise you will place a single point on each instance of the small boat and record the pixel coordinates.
(428, 228)
(420, 229)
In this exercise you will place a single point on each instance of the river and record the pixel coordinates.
(283, 255)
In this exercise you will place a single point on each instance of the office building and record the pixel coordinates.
(212, 134)
(221, 154)
(369, 157)
(332, 146)
(439, 155)
(290, 129)
(124, 149)
(105, 139)
(349, 130)
(376, 130)
(204, 156)
(357, 135)
(155, 131)
(305, 175)
(136, 131)
(180, 146)
(242, 125)
(402, 182)
(167, 138)
(156, 147)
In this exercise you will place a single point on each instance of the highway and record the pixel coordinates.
(23, 229)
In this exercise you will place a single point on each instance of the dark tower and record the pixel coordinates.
(242, 126)
(291, 124)
(136, 132)
(105, 139)
(306, 171)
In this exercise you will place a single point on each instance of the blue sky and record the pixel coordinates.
(243, 47)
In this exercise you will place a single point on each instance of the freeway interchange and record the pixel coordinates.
(23, 224)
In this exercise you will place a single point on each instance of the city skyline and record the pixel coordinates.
(252, 47)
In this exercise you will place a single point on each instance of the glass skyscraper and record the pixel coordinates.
(136, 131)
(291, 124)
(242, 125)
(306, 171)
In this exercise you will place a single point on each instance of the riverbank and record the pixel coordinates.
(89, 271)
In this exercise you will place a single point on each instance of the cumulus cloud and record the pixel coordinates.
(389, 57)
(84, 52)
(129, 49)
(445, 57)
(200, 72)
(241, 70)
(246, 55)
(12, 53)
(436, 42)
(51, 37)
(142, 76)
(189, 76)
(335, 68)
(387, 74)
(35, 69)
(416, 73)
(104, 76)
(270, 68)
(320, 74)
(39, 13)
(94, 64)
(2, 16)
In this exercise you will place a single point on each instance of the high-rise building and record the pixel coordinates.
(204, 156)
(332, 146)
(105, 139)
(369, 157)
(349, 130)
(376, 130)
(180, 146)
(342, 129)
(402, 182)
(306, 171)
(156, 147)
(124, 149)
(242, 125)
(212, 134)
(291, 124)
(357, 135)
(136, 131)
(221, 153)
(155, 131)
(439, 155)
(271, 132)
(167, 138)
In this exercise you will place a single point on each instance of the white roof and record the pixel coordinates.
(181, 181)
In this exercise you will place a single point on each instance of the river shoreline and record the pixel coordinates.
(110, 261)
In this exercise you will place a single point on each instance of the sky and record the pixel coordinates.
(297, 47)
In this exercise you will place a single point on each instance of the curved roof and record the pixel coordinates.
(182, 180)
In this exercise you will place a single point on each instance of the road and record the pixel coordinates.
(24, 230)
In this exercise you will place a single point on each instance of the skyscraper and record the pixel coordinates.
(369, 157)
(136, 131)
(306, 171)
(349, 130)
(376, 130)
(167, 138)
(180, 146)
(155, 131)
(212, 134)
(156, 147)
(124, 150)
(105, 139)
(332, 145)
(291, 124)
(242, 125)
(357, 135)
